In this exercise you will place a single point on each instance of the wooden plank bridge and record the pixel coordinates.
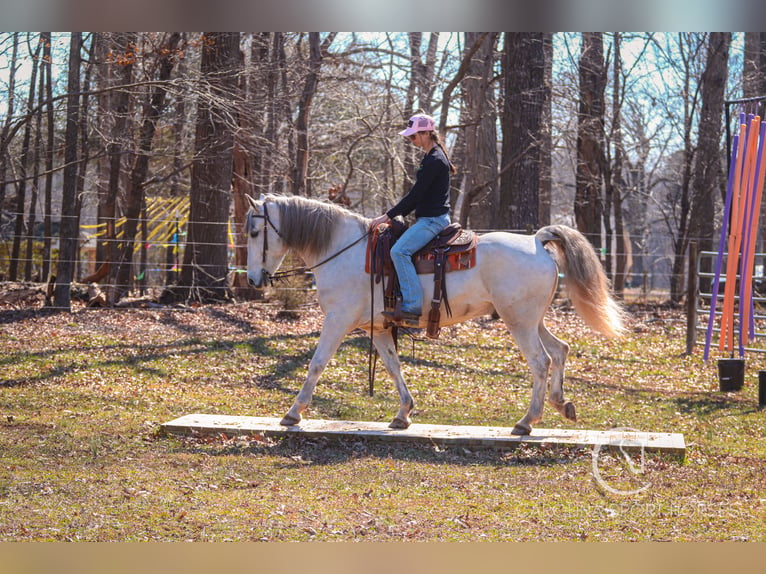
(443, 435)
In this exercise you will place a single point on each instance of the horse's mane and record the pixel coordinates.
(308, 224)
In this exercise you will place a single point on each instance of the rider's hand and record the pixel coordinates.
(379, 220)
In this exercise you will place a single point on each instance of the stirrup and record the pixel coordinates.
(405, 320)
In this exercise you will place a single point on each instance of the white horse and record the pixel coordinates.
(516, 275)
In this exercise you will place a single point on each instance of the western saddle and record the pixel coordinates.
(453, 249)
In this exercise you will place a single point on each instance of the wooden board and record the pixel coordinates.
(468, 436)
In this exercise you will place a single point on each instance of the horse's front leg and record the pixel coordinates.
(384, 343)
(333, 331)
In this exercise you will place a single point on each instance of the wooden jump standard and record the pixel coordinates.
(443, 435)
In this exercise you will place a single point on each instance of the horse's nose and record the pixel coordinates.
(251, 281)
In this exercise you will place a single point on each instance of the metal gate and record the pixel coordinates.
(704, 296)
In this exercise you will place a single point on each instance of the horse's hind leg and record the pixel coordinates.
(530, 345)
(333, 331)
(558, 351)
(384, 343)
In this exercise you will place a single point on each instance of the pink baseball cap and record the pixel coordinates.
(419, 123)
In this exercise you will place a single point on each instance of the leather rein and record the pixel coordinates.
(372, 355)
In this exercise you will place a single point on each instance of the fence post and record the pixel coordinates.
(691, 299)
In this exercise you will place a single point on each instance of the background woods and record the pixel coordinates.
(125, 157)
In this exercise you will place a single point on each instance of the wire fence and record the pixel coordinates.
(157, 263)
(28, 256)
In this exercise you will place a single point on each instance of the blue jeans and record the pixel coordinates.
(415, 238)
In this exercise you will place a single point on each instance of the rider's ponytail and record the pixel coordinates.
(438, 141)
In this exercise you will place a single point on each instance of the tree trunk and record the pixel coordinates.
(523, 111)
(37, 151)
(613, 183)
(682, 239)
(590, 138)
(754, 85)
(420, 87)
(68, 230)
(24, 164)
(135, 193)
(245, 164)
(546, 136)
(480, 187)
(754, 69)
(300, 184)
(114, 54)
(10, 112)
(204, 274)
(708, 181)
(266, 178)
(408, 158)
(49, 153)
(84, 154)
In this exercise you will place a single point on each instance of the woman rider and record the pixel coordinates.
(429, 198)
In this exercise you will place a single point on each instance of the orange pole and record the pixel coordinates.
(726, 339)
(757, 193)
(747, 197)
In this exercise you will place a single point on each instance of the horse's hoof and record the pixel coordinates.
(521, 429)
(289, 420)
(399, 424)
(569, 411)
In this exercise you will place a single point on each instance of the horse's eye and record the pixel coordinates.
(254, 233)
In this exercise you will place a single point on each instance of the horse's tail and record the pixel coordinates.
(587, 284)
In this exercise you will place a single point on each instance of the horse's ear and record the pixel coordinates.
(262, 198)
(251, 201)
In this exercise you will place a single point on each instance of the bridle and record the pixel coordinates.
(267, 223)
(302, 270)
(298, 270)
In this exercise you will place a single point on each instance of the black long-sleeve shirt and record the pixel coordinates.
(429, 197)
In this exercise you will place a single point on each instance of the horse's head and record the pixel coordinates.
(265, 246)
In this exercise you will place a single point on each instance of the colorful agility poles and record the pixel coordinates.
(736, 247)
(727, 210)
(741, 216)
(755, 193)
(726, 339)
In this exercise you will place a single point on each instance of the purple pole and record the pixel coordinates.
(721, 246)
(756, 216)
(745, 281)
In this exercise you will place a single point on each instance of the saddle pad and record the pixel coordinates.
(461, 254)
(424, 262)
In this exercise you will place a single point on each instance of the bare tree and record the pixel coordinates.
(118, 51)
(754, 69)
(317, 50)
(588, 205)
(708, 182)
(546, 135)
(204, 274)
(68, 234)
(524, 101)
(754, 86)
(420, 88)
(49, 153)
(134, 199)
(10, 110)
(613, 180)
(685, 59)
(479, 118)
(37, 153)
(24, 166)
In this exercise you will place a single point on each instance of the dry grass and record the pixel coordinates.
(82, 395)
